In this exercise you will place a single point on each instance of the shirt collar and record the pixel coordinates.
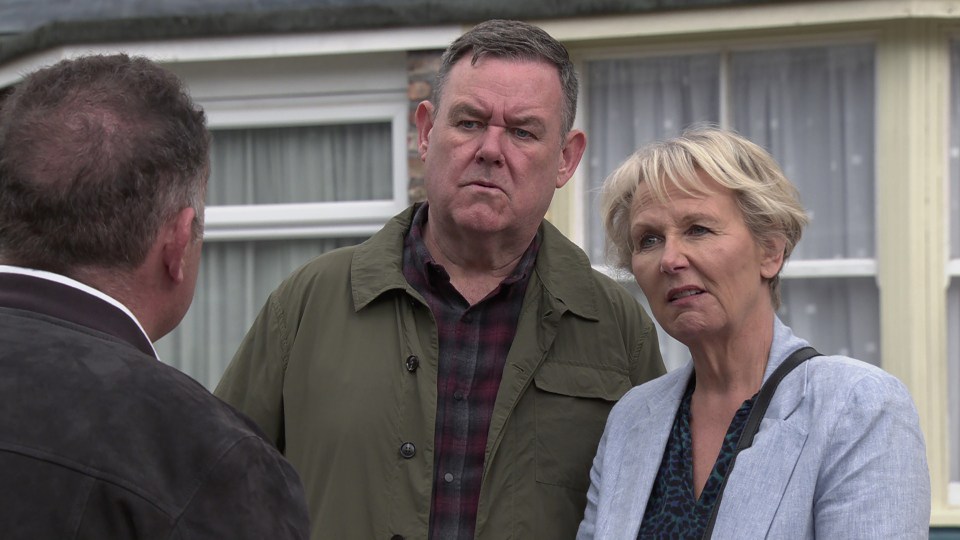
(561, 267)
(430, 270)
(74, 284)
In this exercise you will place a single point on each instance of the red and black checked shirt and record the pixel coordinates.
(474, 342)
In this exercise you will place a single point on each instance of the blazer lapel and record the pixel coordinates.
(762, 472)
(636, 474)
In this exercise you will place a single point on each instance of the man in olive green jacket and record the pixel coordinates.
(451, 376)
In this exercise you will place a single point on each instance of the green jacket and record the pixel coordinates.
(340, 370)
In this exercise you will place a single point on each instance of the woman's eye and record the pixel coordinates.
(698, 230)
(645, 242)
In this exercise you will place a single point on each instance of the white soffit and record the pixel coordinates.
(745, 18)
(245, 47)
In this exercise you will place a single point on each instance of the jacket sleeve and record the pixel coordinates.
(874, 482)
(647, 361)
(636, 329)
(250, 493)
(253, 382)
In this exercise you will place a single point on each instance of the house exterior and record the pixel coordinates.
(310, 103)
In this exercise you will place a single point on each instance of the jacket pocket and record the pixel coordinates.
(572, 403)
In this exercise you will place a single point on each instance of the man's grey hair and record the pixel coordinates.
(513, 40)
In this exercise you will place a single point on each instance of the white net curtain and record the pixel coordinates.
(812, 108)
(303, 164)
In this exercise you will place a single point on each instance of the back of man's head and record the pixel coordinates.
(96, 154)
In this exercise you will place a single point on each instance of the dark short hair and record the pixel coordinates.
(513, 40)
(96, 153)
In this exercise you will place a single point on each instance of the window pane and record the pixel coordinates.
(234, 282)
(812, 108)
(631, 102)
(330, 163)
(836, 315)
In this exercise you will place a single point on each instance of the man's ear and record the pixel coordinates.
(570, 156)
(177, 236)
(424, 119)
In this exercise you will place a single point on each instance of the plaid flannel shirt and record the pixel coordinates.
(474, 342)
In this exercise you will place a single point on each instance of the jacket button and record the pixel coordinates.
(408, 450)
(397, 537)
(412, 363)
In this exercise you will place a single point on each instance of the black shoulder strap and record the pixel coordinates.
(756, 415)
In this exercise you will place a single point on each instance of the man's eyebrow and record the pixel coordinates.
(534, 123)
(465, 109)
(528, 122)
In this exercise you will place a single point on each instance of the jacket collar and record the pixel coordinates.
(377, 265)
(759, 481)
(561, 266)
(651, 422)
(60, 300)
(784, 344)
(566, 274)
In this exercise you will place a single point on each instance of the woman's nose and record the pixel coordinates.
(672, 258)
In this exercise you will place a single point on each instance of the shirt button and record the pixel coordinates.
(408, 450)
(412, 363)
(458, 395)
(397, 537)
(448, 478)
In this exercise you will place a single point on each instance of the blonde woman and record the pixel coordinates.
(706, 221)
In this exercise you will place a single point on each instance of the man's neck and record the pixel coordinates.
(476, 265)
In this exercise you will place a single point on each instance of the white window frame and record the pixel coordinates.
(322, 219)
(259, 222)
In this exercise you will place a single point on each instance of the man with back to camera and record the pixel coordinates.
(103, 170)
(451, 376)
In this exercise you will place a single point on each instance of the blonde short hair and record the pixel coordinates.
(769, 203)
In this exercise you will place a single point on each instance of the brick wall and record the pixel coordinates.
(422, 67)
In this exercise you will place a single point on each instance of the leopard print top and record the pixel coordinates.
(672, 511)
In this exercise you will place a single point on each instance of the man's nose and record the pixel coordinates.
(491, 147)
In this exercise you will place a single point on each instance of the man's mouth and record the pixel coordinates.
(488, 185)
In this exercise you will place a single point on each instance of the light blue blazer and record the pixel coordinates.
(839, 454)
